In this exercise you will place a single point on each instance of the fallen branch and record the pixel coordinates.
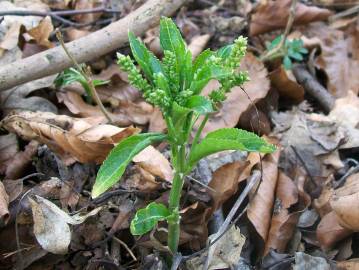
(89, 47)
(313, 87)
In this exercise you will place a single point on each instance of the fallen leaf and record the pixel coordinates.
(85, 140)
(4, 202)
(260, 206)
(198, 43)
(237, 101)
(88, 17)
(342, 202)
(339, 57)
(8, 149)
(271, 15)
(286, 84)
(304, 261)
(352, 264)
(13, 188)
(283, 221)
(127, 112)
(227, 252)
(11, 38)
(151, 160)
(42, 31)
(329, 231)
(51, 227)
(17, 98)
(16, 167)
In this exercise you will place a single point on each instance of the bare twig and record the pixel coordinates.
(125, 246)
(278, 49)
(89, 47)
(86, 73)
(313, 87)
(345, 13)
(57, 15)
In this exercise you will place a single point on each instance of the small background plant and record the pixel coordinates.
(174, 85)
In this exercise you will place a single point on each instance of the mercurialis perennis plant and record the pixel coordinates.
(174, 85)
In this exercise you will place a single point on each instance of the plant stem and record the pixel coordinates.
(174, 200)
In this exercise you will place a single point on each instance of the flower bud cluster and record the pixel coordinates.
(169, 66)
(237, 53)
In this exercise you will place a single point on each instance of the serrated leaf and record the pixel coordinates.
(114, 166)
(228, 139)
(287, 63)
(200, 104)
(147, 218)
(145, 58)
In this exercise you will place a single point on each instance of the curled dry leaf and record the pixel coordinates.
(51, 227)
(260, 207)
(41, 32)
(85, 140)
(4, 202)
(151, 160)
(237, 100)
(283, 222)
(286, 84)
(271, 15)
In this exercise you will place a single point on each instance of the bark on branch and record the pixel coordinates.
(89, 47)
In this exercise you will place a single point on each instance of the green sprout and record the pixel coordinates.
(174, 85)
(292, 50)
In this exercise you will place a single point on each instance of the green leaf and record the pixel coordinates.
(228, 139)
(201, 59)
(275, 42)
(225, 51)
(100, 82)
(171, 38)
(147, 218)
(303, 50)
(200, 104)
(296, 56)
(145, 58)
(115, 164)
(207, 73)
(287, 63)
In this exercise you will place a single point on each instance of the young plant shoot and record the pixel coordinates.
(174, 86)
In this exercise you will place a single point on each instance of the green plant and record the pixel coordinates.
(291, 50)
(174, 85)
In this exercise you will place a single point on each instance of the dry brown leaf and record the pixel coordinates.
(88, 4)
(126, 114)
(260, 207)
(352, 264)
(198, 43)
(283, 222)
(330, 232)
(151, 160)
(85, 140)
(8, 149)
(339, 57)
(13, 188)
(41, 32)
(11, 38)
(342, 202)
(4, 202)
(225, 182)
(286, 84)
(271, 15)
(73, 33)
(237, 101)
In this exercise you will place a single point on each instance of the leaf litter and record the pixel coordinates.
(299, 216)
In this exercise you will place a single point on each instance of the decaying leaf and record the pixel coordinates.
(85, 140)
(306, 262)
(4, 202)
(51, 227)
(271, 15)
(237, 101)
(17, 98)
(227, 252)
(8, 149)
